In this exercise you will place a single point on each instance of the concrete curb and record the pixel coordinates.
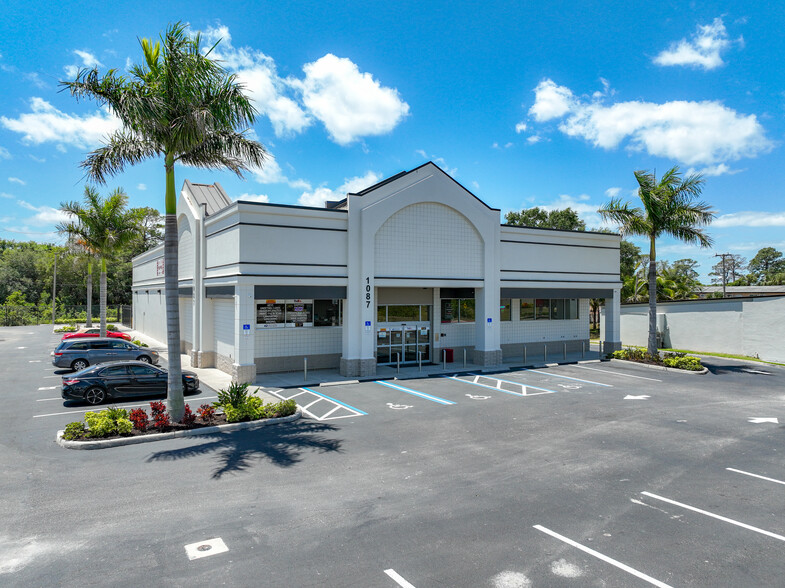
(106, 443)
(663, 368)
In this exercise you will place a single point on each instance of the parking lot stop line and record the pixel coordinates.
(755, 476)
(583, 367)
(417, 393)
(398, 579)
(569, 378)
(715, 516)
(604, 558)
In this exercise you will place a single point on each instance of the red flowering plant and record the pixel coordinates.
(206, 413)
(138, 417)
(160, 416)
(188, 417)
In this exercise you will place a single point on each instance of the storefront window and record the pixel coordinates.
(542, 309)
(572, 309)
(299, 313)
(425, 313)
(381, 314)
(557, 309)
(399, 313)
(467, 310)
(270, 314)
(504, 310)
(450, 310)
(527, 309)
(326, 313)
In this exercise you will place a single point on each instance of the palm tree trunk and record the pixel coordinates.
(652, 348)
(89, 294)
(175, 398)
(102, 298)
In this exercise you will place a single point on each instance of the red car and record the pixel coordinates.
(95, 332)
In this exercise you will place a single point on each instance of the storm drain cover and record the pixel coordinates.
(205, 548)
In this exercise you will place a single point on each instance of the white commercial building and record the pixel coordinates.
(402, 270)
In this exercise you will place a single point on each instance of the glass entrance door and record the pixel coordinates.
(402, 342)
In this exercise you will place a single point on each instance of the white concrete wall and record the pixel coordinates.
(186, 319)
(302, 341)
(742, 326)
(150, 313)
(223, 327)
(185, 249)
(428, 240)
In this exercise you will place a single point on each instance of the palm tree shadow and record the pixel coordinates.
(282, 445)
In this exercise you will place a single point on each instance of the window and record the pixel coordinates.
(504, 310)
(100, 345)
(270, 314)
(381, 314)
(527, 309)
(299, 313)
(78, 346)
(557, 309)
(542, 309)
(326, 313)
(143, 370)
(458, 310)
(120, 345)
(398, 313)
(118, 370)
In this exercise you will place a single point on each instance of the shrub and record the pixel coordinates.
(250, 410)
(633, 354)
(75, 430)
(138, 343)
(100, 424)
(159, 415)
(280, 409)
(138, 418)
(683, 363)
(157, 408)
(188, 417)
(66, 329)
(235, 395)
(206, 413)
(115, 413)
(124, 426)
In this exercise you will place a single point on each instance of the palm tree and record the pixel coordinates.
(669, 208)
(99, 226)
(181, 106)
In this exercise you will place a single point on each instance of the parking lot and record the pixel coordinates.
(595, 474)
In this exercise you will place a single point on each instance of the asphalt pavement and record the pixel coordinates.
(594, 474)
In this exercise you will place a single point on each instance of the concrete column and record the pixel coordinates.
(487, 348)
(436, 314)
(206, 356)
(358, 359)
(244, 368)
(612, 331)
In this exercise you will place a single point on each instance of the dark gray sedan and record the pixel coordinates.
(77, 354)
(122, 379)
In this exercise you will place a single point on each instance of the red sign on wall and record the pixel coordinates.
(160, 268)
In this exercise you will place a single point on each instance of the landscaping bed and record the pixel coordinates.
(679, 361)
(234, 405)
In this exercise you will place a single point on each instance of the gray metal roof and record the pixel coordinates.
(745, 289)
(213, 195)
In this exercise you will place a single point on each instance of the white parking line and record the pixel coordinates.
(398, 579)
(755, 476)
(604, 558)
(568, 378)
(48, 387)
(95, 408)
(715, 516)
(583, 367)
(45, 399)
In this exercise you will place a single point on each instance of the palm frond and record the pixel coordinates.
(226, 149)
(123, 148)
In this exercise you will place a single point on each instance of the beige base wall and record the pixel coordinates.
(537, 351)
(294, 363)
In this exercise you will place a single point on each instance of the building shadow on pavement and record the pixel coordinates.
(282, 445)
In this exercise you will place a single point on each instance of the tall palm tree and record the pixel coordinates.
(669, 208)
(183, 107)
(99, 226)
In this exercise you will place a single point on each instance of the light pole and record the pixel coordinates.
(723, 256)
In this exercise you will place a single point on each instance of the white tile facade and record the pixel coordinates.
(223, 326)
(185, 248)
(298, 341)
(428, 240)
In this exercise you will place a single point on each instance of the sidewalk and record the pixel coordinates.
(216, 379)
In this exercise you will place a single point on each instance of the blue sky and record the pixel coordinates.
(547, 104)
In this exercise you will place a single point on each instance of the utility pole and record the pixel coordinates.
(723, 256)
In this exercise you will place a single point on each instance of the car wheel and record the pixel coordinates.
(94, 395)
(144, 358)
(79, 365)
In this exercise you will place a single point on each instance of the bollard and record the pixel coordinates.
(398, 361)
(419, 359)
(583, 349)
(444, 359)
(305, 369)
(524, 355)
(464, 357)
(565, 352)
(545, 353)
(602, 345)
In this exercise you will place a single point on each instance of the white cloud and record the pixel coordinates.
(750, 219)
(321, 194)
(550, 101)
(17, 181)
(703, 50)
(44, 215)
(694, 133)
(612, 192)
(37, 159)
(271, 173)
(45, 123)
(532, 139)
(422, 153)
(520, 127)
(351, 104)
(580, 204)
(6, 195)
(5, 153)
(475, 185)
(87, 59)
(715, 170)
(254, 197)
(141, 187)
(36, 80)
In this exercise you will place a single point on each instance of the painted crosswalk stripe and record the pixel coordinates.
(498, 388)
(602, 557)
(715, 516)
(398, 579)
(416, 393)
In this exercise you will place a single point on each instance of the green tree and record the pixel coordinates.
(731, 268)
(566, 219)
(629, 256)
(669, 208)
(766, 264)
(100, 226)
(183, 107)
